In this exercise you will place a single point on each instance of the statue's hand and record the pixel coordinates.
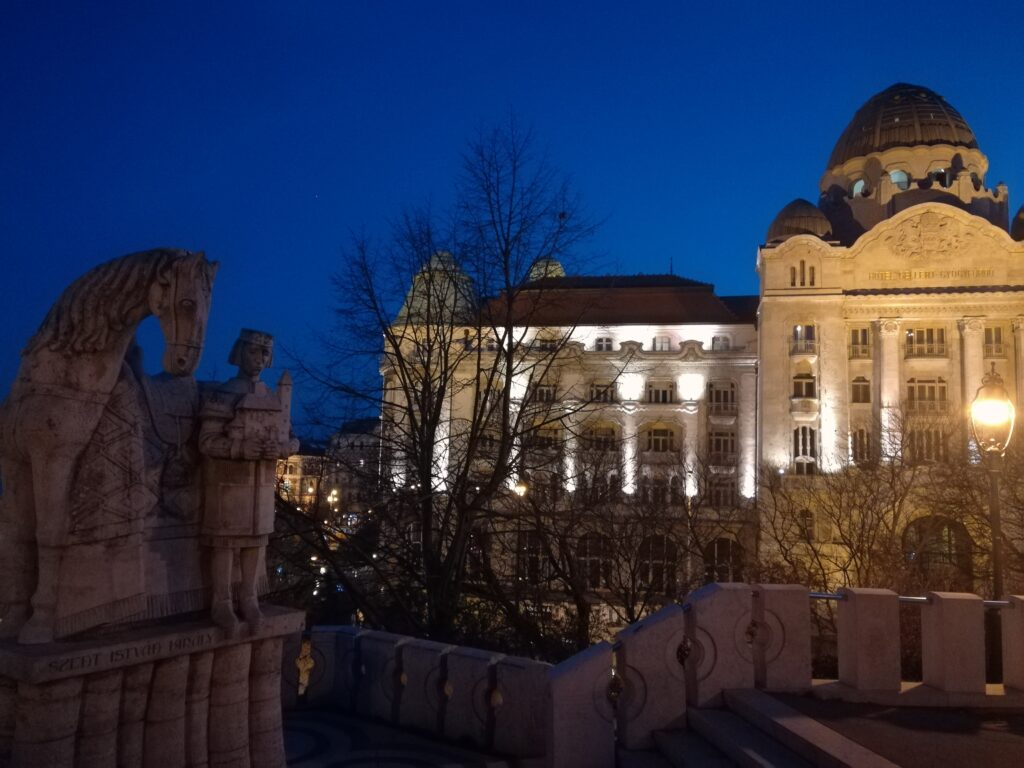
(253, 449)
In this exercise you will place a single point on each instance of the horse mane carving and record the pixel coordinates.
(92, 310)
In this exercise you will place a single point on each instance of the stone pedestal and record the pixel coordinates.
(175, 695)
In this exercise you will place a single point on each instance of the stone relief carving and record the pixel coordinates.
(245, 428)
(927, 237)
(74, 497)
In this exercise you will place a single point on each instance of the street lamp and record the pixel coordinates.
(992, 416)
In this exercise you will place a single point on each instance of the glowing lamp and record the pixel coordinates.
(992, 415)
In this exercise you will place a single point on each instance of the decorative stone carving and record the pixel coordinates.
(71, 444)
(100, 524)
(971, 325)
(245, 428)
(888, 327)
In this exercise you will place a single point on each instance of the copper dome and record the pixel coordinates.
(902, 115)
(800, 217)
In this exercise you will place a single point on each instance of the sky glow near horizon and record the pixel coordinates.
(267, 134)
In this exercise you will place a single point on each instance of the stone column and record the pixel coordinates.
(972, 358)
(1018, 358)
(746, 433)
(690, 421)
(134, 695)
(164, 743)
(889, 384)
(197, 711)
(97, 732)
(266, 743)
(48, 716)
(630, 456)
(229, 707)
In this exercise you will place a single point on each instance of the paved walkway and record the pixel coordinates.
(322, 739)
(923, 736)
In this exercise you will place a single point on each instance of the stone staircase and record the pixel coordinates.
(754, 730)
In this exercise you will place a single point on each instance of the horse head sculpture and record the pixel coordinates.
(68, 371)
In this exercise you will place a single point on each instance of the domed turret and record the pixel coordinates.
(902, 115)
(800, 217)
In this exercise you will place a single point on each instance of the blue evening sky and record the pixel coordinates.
(266, 133)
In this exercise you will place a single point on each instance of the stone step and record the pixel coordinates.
(628, 758)
(807, 737)
(687, 749)
(746, 745)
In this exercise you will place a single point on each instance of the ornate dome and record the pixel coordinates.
(800, 217)
(902, 115)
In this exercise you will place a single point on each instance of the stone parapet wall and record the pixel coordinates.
(525, 709)
(175, 695)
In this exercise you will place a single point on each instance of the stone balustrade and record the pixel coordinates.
(724, 636)
(535, 712)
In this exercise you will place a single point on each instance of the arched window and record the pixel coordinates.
(614, 487)
(595, 566)
(941, 549)
(792, 277)
(723, 561)
(900, 179)
(859, 188)
(810, 276)
(658, 564)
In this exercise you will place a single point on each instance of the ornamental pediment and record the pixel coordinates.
(934, 245)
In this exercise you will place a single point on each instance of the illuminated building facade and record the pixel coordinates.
(883, 305)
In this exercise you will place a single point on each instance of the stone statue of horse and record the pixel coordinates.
(68, 370)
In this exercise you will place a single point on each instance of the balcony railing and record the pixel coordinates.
(860, 351)
(932, 349)
(995, 350)
(803, 346)
(722, 409)
(927, 406)
(722, 458)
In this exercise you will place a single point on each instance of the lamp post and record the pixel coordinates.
(992, 416)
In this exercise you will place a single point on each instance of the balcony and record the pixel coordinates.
(803, 405)
(860, 351)
(803, 346)
(722, 409)
(997, 349)
(927, 406)
(927, 349)
(722, 458)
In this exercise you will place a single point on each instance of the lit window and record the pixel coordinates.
(860, 343)
(661, 392)
(603, 344)
(662, 344)
(804, 386)
(861, 390)
(602, 392)
(860, 446)
(722, 397)
(804, 340)
(805, 450)
(926, 342)
(660, 440)
(994, 342)
(926, 394)
(722, 448)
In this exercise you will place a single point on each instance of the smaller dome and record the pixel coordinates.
(800, 217)
(543, 268)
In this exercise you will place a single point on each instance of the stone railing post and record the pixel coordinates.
(519, 703)
(579, 731)
(424, 673)
(719, 634)
(649, 665)
(869, 639)
(1013, 643)
(380, 672)
(782, 637)
(953, 642)
(468, 688)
